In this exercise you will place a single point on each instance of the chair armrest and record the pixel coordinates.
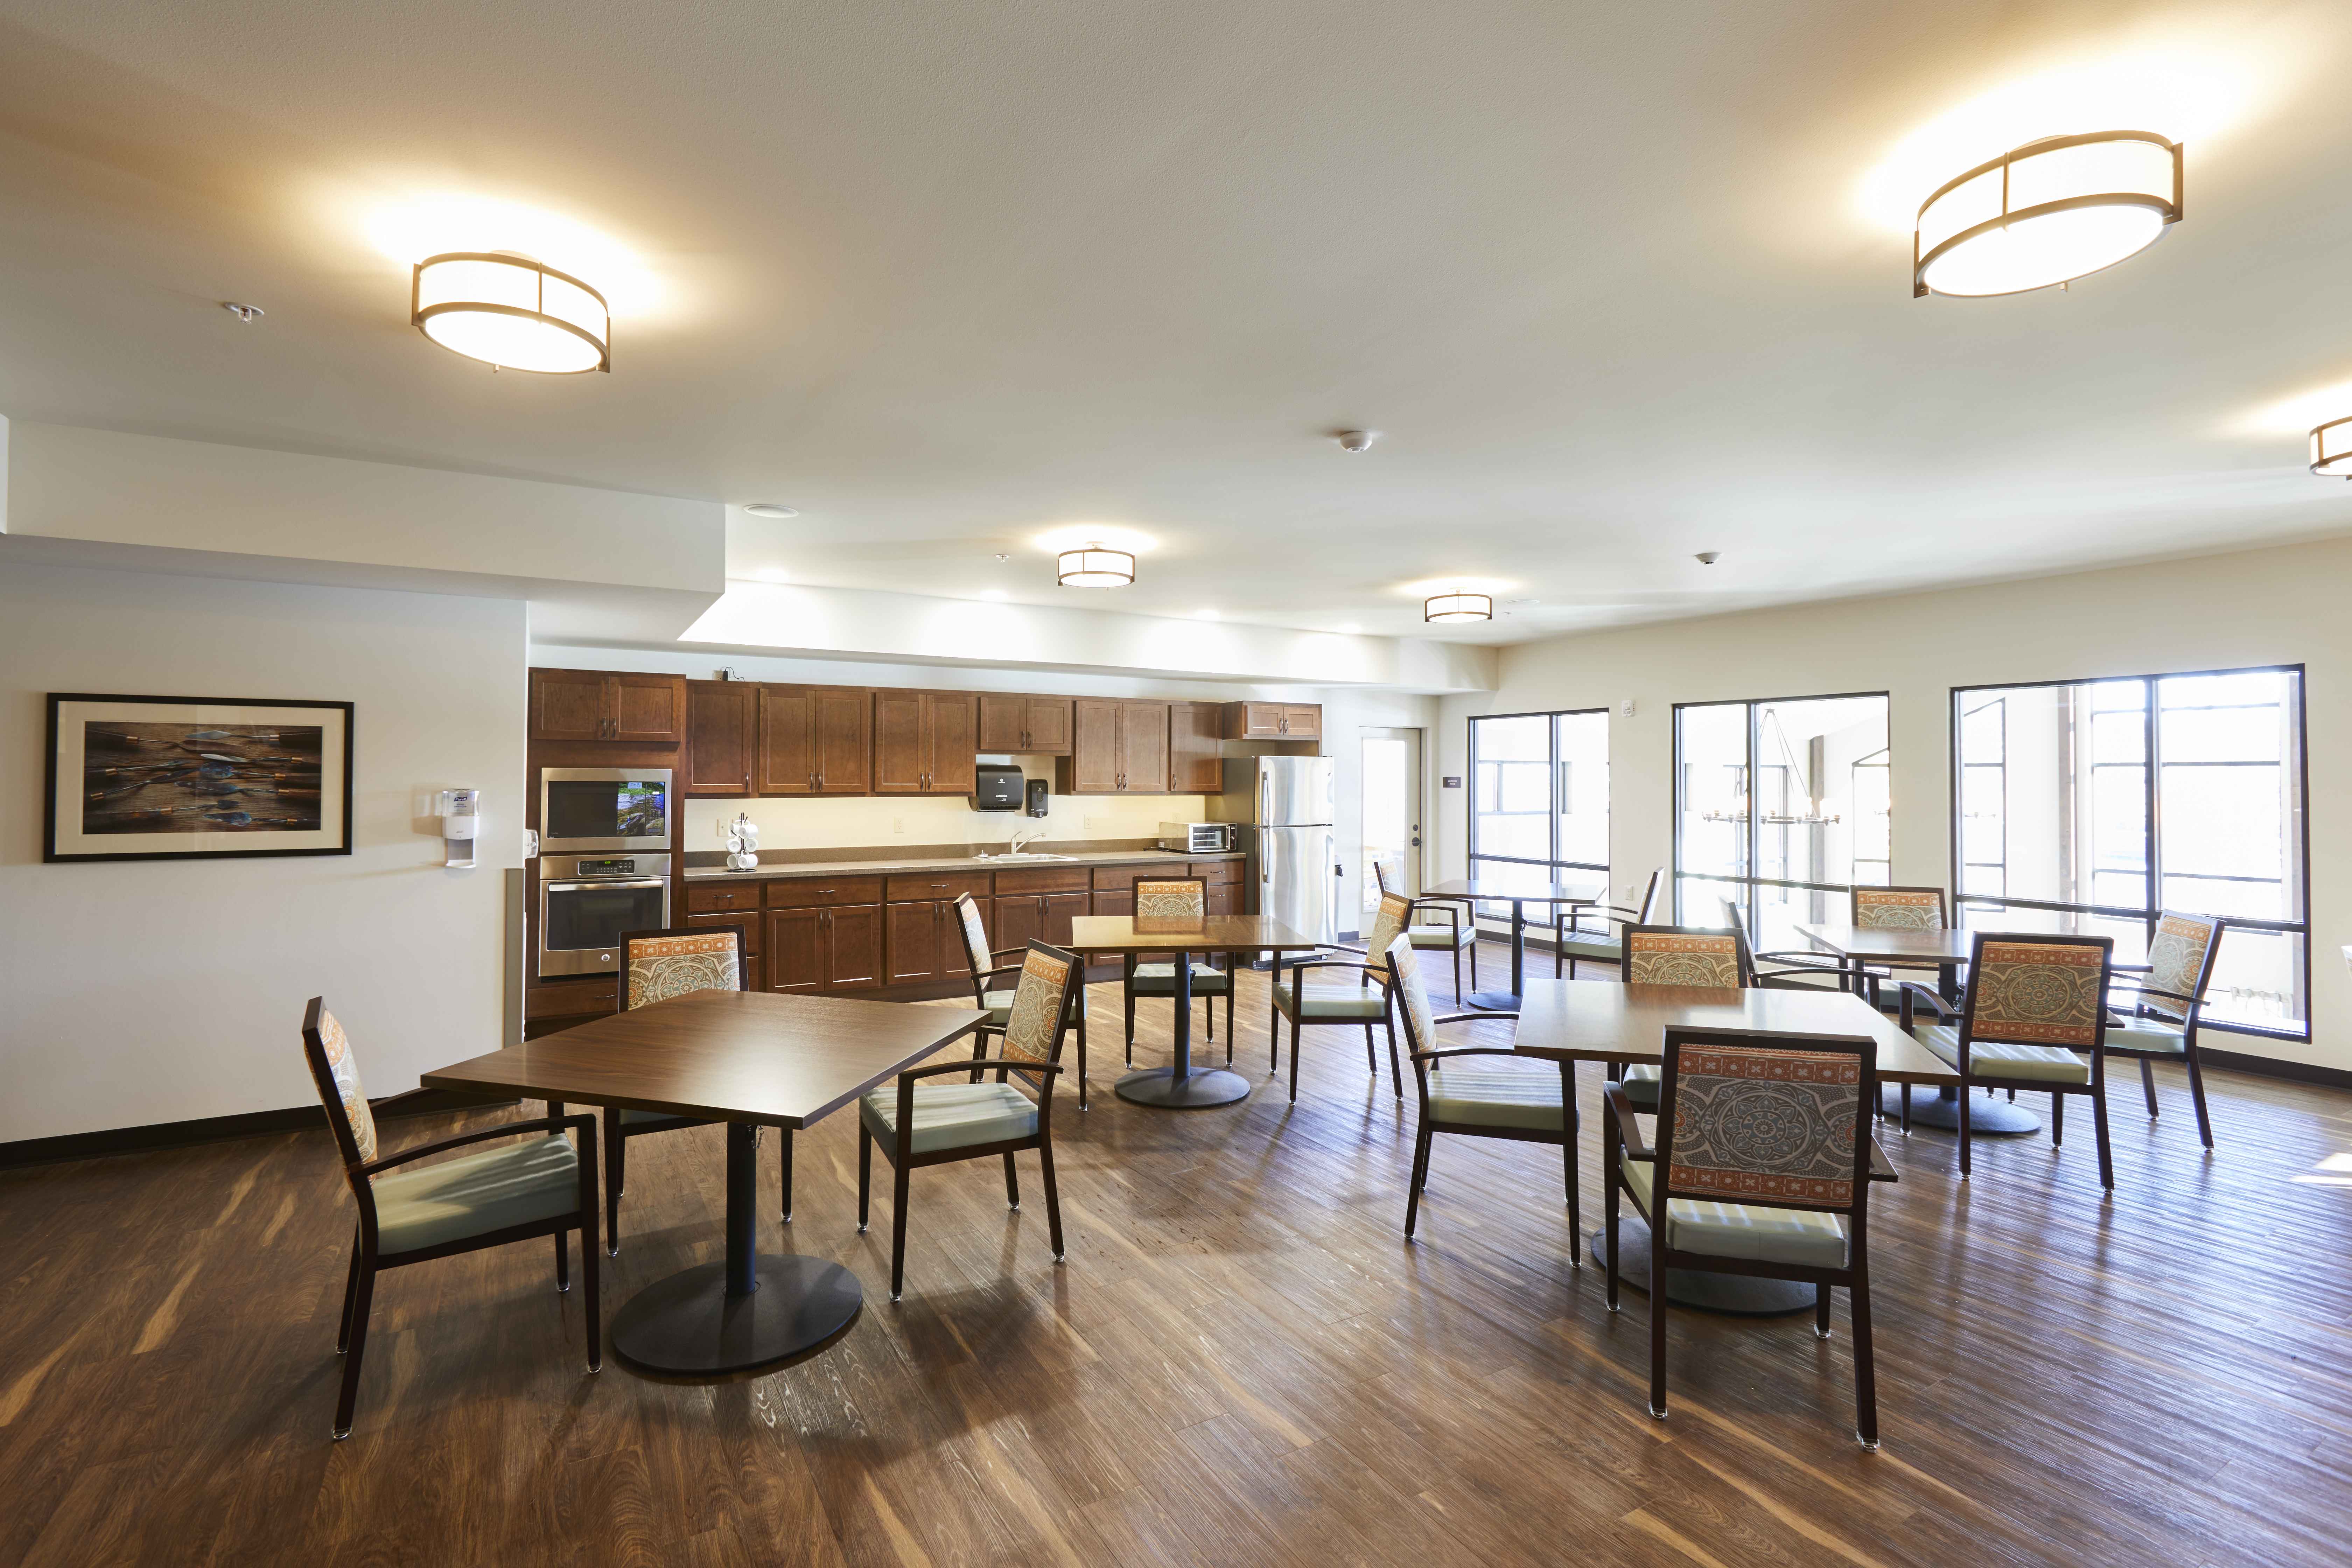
(1373, 970)
(1467, 1017)
(1452, 912)
(1785, 980)
(1018, 1064)
(1009, 952)
(549, 1124)
(1466, 1051)
(993, 973)
(1912, 989)
(1628, 1130)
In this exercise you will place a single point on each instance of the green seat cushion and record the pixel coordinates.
(1754, 1231)
(951, 1115)
(999, 1008)
(1442, 936)
(2147, 1035)
(1328, 1003)
(473, 1194)
(2000, 1059)
(654, 1120)
(1160, 980)
(1642, 1087)
(1599, 949)
(1524, 1099)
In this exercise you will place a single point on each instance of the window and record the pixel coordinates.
(2092, 806)
(1779, 808)
(1539, 800)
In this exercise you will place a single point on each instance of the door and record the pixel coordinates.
(950, 744)
(1095, 747)
(1295, 881)
(794, 944)
(1143, 748)
(1060, 909)
(567, 705)
(913, 942)
(842, 739)
(897, 742)
(649, 709)
(786, 758)
(1003, 724)
(1303, 722)
(1195, 755)
(1293, 791)
(853, 946)
(1022, 921)
(722, 734)
(1388, 810)
(1045, 725)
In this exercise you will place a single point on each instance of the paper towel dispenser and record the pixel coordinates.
(996, 788)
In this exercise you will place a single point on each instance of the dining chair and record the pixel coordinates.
(2160, 1023)
(1526, 1107)
(1303, 1004)
(1792, 970)
(657, 965)
(916, 1123)
(544, 1187)
(1894, 909)
(997, 1001)
(1572, 939)
(1457, 931)
(1713, 959)
(2033, 1019)
(1177, 897)
(1745, 1114)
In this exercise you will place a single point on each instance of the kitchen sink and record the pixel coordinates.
(1025, 855)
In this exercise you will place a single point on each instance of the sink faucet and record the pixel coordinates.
(1021, 839)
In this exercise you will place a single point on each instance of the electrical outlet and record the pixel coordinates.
(897, 825)
(1098, 822)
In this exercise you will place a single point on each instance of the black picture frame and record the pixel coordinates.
(65, 837)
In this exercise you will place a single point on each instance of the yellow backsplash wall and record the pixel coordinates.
(858, 822)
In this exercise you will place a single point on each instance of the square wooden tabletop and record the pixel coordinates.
(1600, 1020)
(1942, 944)
(1174, 933)
(1489, 890)
(729, 1055)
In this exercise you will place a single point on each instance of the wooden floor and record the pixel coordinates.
(1241, 1362)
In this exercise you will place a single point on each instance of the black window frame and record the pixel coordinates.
(1551, 827)
(2152, 878)
(1754, 848)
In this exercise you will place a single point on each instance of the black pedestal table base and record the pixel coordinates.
(1989, 1115)
(691, 1325)
(1196, 1090)
(1736, 1295)
(1492, 1001)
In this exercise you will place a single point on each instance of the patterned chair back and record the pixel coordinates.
(1388, 924)
(1405, 973)
(1172, 898)
(657, 965)
(1683, 955)
(1755, 1116)
(1042, 1005)
(2180, 960)
(974, 931)
(1899, 909)
(336, 1072)
(2038, 990)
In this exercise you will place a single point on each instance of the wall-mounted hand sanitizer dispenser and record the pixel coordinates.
(460, 825)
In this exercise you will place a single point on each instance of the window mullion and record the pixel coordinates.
(2152, 888)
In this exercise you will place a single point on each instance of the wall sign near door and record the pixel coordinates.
(1451, 781)
(142, 778)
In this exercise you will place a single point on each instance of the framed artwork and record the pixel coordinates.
(148, 778)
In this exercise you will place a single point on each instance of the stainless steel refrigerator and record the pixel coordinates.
(1282, 809)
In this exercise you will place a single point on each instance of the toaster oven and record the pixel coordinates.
(1196, 837)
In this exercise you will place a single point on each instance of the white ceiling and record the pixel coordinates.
(945, 276)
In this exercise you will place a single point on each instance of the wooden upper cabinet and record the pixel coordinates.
(1117, 747)
(1196, 764)
(1274, 722)
(722, 728)
(815, 740)
(601, 705)
(1036, 726)
(924, 742)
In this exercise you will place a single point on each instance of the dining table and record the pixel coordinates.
(1942, 949)
(1603, 1020)
(1476, 890)
(750, 1059)
(1181, 1085)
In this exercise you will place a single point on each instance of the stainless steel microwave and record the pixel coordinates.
(1196, 837)
(588, 811)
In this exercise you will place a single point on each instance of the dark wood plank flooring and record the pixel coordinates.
(1241, 1361)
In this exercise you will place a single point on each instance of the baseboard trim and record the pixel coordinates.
(2272, 1067)
(220, 1129)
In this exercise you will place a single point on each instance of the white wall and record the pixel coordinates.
(138, 993)
(2258, 608)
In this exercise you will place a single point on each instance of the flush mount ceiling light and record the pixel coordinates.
(511, 313)
(1095, 567)
(772, 508)
(2331, 449)
(2046, 212)
(1458, 607)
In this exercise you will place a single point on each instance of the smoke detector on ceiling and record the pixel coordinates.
(1356, 440)
(1708, 557)
(772, 508)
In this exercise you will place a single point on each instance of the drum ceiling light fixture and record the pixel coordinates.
(2331, 449)
(1458, 607)
(2046, 212)
(1095, 567)
(511, 313)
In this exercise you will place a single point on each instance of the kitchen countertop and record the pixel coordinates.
(959, 863)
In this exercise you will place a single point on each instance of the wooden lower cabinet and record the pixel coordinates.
(926, 942)
(1038, 917)
(833, 948)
